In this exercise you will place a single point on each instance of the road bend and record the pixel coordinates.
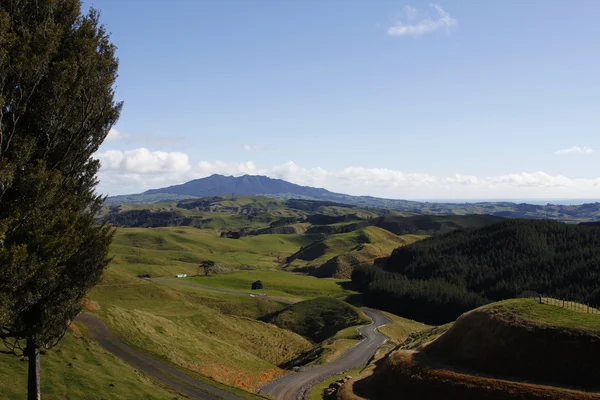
(297, 385)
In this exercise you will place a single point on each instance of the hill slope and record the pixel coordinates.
(75, 368)
(437, 279)
(514, 349)
(337, 255)
(317, 319)
(525, 339)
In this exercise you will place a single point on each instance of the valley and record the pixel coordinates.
(228, 200)
(316, 262)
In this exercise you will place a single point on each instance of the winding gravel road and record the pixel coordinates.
(289, 387)
(296, 385)
(151, 367)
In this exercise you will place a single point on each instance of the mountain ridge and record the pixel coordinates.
(216, 185)
(255, 185)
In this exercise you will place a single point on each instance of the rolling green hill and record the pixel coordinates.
(317, 319)
(337, 255)
(259, 232)
(207, 333)
(175, 250)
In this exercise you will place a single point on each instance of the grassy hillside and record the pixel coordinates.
(490, 353)
(172, 250)
(224, 212)
(337, 255)
(317, 319)
(525, 339)
(276, 283)
(79, 368)
(208, 333)
(399, 329)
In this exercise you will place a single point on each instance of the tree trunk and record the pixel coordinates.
(33, 376)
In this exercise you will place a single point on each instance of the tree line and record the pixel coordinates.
(437, 279)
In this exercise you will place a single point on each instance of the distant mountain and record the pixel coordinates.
(251, 185)
(247, 185)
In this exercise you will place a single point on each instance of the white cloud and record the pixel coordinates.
(136, 170)
(576, 150)
(250, 147)
(140, 169)
(113, 135)
(431, 21)
(144, 161)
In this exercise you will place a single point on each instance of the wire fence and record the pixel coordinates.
(569, 305)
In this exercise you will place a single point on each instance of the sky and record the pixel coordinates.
(409, 100)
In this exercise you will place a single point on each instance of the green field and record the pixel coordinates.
(205, 332)
(532, 311)
(79, 368)
(400, 328)
(276, 283)
(173, 250)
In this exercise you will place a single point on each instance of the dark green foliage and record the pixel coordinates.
(312, 205)
(258, 285)
(432, 224)
(57, 70)
(283, 222)
(203, 203)
(150, 219)
(321, 219)
(317, 319)
(208, 266)
(437, 279)
(416, 224)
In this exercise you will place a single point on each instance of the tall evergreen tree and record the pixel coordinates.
(57, 75)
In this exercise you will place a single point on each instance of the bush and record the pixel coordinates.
(257, 285)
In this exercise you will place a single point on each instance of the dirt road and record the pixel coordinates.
(297, 385)
(155, 369)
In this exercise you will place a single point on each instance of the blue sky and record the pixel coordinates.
(453, 99)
